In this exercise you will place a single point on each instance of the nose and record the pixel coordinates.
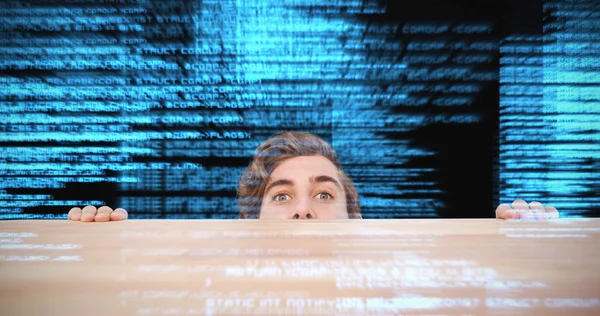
(303, 210)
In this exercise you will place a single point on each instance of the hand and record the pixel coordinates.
(523, 211)
(103, 214)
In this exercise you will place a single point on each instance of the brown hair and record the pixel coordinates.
(275, 150)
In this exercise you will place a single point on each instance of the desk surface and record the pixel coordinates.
(350, 267)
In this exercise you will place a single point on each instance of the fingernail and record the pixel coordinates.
(101, 215)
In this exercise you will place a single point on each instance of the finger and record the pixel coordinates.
(74, 214)
(103, 214)
(520, 205)
(88, 213)
(522, 209)
(504, 211)
(538, 210)
(551, 212)
(526, 215)
(118, 215)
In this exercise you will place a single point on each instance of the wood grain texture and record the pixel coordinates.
(348, 267)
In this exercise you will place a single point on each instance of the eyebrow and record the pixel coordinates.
(318, 179)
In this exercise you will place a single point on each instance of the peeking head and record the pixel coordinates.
(296, 175)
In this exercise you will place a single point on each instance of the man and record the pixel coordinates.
(296, 175)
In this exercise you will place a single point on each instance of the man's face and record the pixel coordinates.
(306, 187)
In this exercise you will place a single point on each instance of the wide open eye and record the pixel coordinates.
(323, 195)
(281, 197)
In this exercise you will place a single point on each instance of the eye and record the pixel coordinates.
(324, 196)
(281, 197)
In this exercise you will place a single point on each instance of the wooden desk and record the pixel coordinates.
(353, 267)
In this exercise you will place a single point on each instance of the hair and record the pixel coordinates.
(274, 151)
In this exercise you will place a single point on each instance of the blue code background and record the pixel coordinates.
(436, 108)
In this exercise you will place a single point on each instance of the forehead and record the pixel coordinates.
(304, 167)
